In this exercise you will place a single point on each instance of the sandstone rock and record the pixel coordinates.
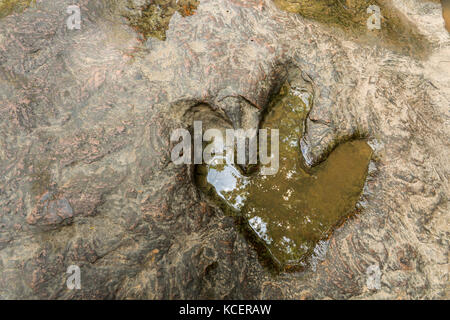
(86, 116)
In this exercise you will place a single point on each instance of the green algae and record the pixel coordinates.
(8, 7)
(397, 33)
(154, 18)
(291, 211)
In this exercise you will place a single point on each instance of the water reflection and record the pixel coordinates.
(229, 183)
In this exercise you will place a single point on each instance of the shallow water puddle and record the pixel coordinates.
(291, 211)
(396, 32)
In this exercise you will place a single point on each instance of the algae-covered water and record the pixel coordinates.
(8, 7)
(295, 208)
(396, 32)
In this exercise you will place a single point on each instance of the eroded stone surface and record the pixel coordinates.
(86, 116)
(395, 31)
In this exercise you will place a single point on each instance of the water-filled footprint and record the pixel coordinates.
(291, 211)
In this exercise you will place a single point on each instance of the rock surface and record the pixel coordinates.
(85, 171)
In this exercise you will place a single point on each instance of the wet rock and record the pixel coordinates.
(50, 212)
(152, 18)
(87, 114)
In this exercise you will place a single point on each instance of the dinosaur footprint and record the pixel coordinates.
(291, 211)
